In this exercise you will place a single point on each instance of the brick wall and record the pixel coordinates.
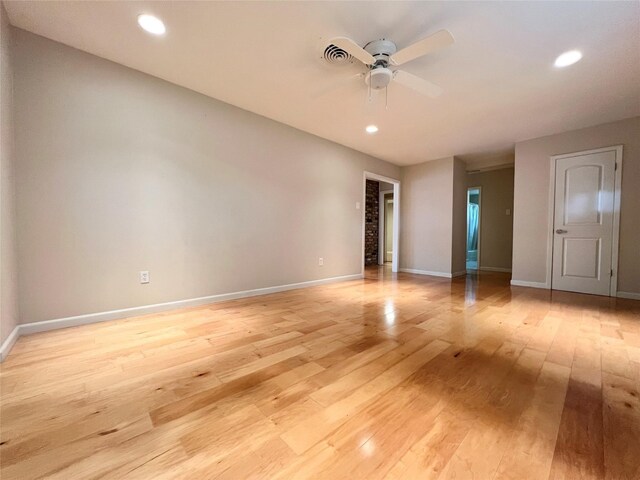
(371, 216)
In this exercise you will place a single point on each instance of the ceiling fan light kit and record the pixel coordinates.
(379, 78)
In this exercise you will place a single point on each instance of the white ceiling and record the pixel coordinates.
(499, 80)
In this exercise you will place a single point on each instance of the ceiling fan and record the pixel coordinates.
(380, 56)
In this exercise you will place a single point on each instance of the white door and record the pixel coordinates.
(583, 222)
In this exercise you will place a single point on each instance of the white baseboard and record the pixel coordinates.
(36, 327)
(7, 345)
(630, 295)
(522, 283)
(495, 269)
(427, 272)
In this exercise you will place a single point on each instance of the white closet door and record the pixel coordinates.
(583, 222)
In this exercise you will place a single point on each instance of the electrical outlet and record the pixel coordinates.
(320, 261)
(144, 276)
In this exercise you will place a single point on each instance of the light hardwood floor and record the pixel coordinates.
(414, 377)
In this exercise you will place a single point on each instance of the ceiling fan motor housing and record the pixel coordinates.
(381, 50)
(380, 76)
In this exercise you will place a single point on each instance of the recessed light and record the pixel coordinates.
(151, 24)
(371, 129)
(568, 58)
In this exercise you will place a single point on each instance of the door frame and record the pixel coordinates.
(617, 192)
(466, 247)
(381, 221)
(396, 215)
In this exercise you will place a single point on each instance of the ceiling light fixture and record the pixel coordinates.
(568, 58)
(371, 129)
(151, 24)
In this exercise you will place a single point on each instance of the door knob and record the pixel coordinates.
(561, 231)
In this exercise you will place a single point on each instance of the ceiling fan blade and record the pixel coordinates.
(416, 83)
(427, 45)
(353, 49)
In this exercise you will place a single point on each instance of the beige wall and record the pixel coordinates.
(496, 230)
(120, 172)
(486, 161)
(459, 222)
(8, 272)
(531, 201)
(426, 216)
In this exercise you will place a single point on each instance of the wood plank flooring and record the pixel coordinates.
(396, 377)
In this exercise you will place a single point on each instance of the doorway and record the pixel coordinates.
(473, 227)
(585, 221)
(387, 220)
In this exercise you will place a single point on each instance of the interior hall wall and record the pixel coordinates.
(8, 246)
(119, 172)
(426, 217)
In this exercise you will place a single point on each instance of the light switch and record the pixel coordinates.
(357, 205)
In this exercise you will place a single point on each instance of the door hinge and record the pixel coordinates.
(611, 275)
(615, 166)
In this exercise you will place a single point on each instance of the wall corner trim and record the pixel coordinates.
(522, 283)
(9, 342)
(629, 295)
(58, 323)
